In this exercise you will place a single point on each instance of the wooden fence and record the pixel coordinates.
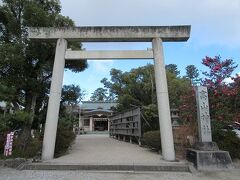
(126, 125)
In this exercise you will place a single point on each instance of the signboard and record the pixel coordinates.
(204, 123)
(9, 144)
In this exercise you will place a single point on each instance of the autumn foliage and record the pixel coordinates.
(223, 90)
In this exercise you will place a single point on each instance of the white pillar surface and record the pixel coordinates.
(168, 151)
(108, 125)
(91, 124)
(80, 123)
(54, 101)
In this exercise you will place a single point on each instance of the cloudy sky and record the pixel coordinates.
(215, 31)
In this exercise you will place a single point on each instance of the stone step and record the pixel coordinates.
(173, 167)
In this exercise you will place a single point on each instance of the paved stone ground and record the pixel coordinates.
(12, 174)
(100, 149)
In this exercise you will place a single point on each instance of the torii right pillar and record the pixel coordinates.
(168, 151)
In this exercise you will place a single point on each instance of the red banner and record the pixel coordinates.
(9, 144)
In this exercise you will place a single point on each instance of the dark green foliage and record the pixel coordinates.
(192, 73)
(2, 141)
(31, 149)
(100, 94)
(71, 94)
(152, 139)
(64, 139)
(226, 139)
(20, 121)
(3, 131)
(3, 124)
(26, 66)
(15, 121)
(6, 94)
(32, 146)
(172, 68)
(177, 87)
(136, 88)
(149, 117)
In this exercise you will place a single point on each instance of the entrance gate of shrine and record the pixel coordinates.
(155, 34)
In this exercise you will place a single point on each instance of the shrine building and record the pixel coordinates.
(94, 116)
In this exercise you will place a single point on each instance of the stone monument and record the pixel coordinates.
(205, 155)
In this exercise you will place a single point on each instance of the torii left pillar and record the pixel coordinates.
(54, 101)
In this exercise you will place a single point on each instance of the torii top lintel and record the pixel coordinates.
(112, 33)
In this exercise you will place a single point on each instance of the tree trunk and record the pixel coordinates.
(24, 138)
(33, 106)
(30, 105)
(152, 86)
(28, 100)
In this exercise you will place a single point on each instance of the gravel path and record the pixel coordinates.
(100, 149)
(12, 174)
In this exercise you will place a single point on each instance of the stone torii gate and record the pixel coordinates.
(154, 34)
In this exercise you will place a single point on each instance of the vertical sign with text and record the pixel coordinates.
(204, 123)
(9, 144)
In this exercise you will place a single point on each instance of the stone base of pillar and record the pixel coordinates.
(209, 160)
(139, 142)
(206, 146)
(207, 156)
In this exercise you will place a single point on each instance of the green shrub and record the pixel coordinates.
(152, 139)
(23, 145)
(27, 147)
(226, 139)
(64, 139)
(14, 121)
(149, 118)
(2, 141)
(33, 147)
(3, 131)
